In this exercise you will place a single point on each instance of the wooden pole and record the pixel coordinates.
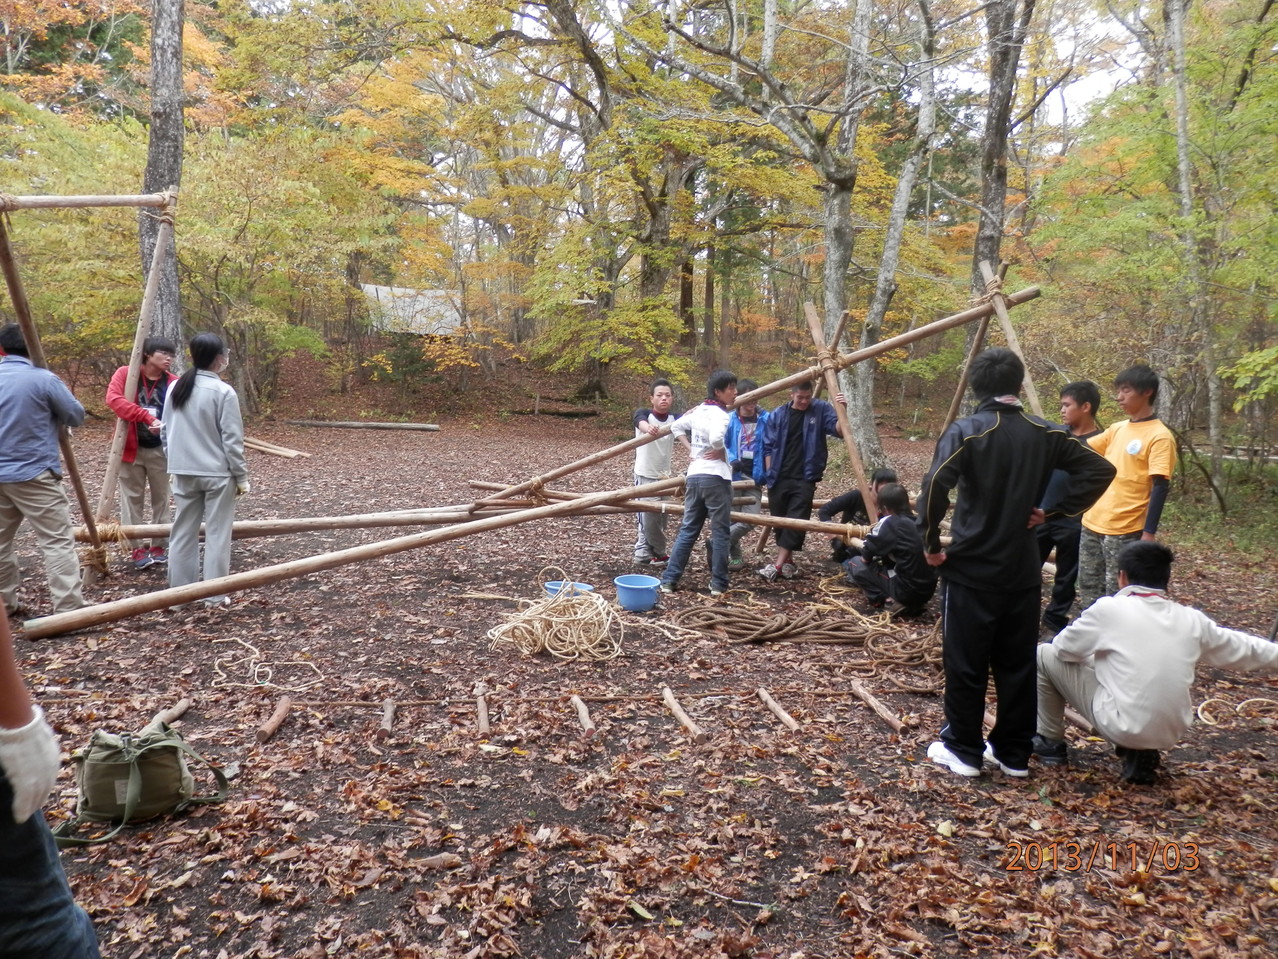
(8, 203)
(388, 720)
(94, 573)
(272, 725)
(355, 425)
(790, 722)
(843, 361)
(834, 344)
(583, 715)
(755, 519)
(867, 697)
(993, 288)
(22, 309)
(698, 734)
(164, 598)
(481, 715)
(978, 342)
(173, 713)
(831, 376)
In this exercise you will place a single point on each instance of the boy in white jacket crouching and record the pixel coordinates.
(1127, 665)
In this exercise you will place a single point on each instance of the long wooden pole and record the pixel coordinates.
(22, 309)
(8, 203)
(843, 361)
(161, 599)
(992, 286)
(93, 572)
(831, 377)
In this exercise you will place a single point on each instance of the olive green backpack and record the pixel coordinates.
(133, 777)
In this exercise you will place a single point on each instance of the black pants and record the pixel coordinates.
(984, 632)
(791, 498)
(1065, 538)
(879, 585)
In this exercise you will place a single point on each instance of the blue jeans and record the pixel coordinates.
(38, 917)
(705, 496)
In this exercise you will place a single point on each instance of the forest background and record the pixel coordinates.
(612, 191)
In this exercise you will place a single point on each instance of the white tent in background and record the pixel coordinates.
(398, 309)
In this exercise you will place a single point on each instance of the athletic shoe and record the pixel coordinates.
(716, 593)
(735, 563)
(940, 754)
(667, 587)
(660, 560)
(1050, 752)
(789, 571)
(1007, 770)
(142, 558)
(643, 560)
(769, 572)
(1140, 766)
(158, 556)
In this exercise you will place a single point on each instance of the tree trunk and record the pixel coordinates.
(1196, 303)
(861, 396)
(164, 161)
(707, 312)
(686, 313)
(1007, 22)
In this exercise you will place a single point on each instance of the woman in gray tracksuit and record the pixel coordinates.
(203, 436)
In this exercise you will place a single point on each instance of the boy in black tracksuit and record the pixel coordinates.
(1000, 459)
(891, 564)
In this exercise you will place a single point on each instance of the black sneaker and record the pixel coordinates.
(1050, 752)
(1140, 766)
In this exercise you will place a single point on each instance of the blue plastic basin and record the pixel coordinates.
(557, 586)
(637, 592)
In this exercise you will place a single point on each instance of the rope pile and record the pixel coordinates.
(568, 625)
(890, 647)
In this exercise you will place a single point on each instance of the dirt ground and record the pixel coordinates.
(835, 840)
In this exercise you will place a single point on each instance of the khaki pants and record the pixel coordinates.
(1061, 683)
(209, 500)
(43, 503)
(149, 468)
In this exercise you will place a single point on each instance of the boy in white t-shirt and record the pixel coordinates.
(652, 463)
(709, 484)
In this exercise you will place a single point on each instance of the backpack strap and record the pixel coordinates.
(223, 784)
(62, 834)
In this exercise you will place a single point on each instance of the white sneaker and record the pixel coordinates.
(940, 754)
(1007, 770)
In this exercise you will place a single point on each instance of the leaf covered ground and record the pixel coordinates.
(839, 839)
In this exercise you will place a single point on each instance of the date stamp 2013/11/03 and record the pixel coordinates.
(1087, 855)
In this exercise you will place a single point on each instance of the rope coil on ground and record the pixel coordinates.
(568, 625)
(890, 647)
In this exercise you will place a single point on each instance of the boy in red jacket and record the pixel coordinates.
(143, 462)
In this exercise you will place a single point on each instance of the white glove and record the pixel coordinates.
(242, 488)
(30, 759)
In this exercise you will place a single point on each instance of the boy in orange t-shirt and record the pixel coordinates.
(1143, 451)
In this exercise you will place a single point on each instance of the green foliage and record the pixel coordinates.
(631, 339)
(1255, 376)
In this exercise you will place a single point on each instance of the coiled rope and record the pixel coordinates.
(568, 625)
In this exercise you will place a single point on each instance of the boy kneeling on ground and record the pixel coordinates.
(1127, 664)
(891, 564)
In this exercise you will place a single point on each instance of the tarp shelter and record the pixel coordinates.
(399, 309)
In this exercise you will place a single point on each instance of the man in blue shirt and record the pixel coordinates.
(794, 458)
(34, 404)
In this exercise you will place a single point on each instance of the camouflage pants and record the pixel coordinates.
(1098, 564)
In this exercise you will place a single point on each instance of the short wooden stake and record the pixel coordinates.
(885, 714)
(698, 734)
(481, 707)
(583, 715)
(790, 722)
(272, 725)
(388, 719)
(1078, 720)
(173, 713)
